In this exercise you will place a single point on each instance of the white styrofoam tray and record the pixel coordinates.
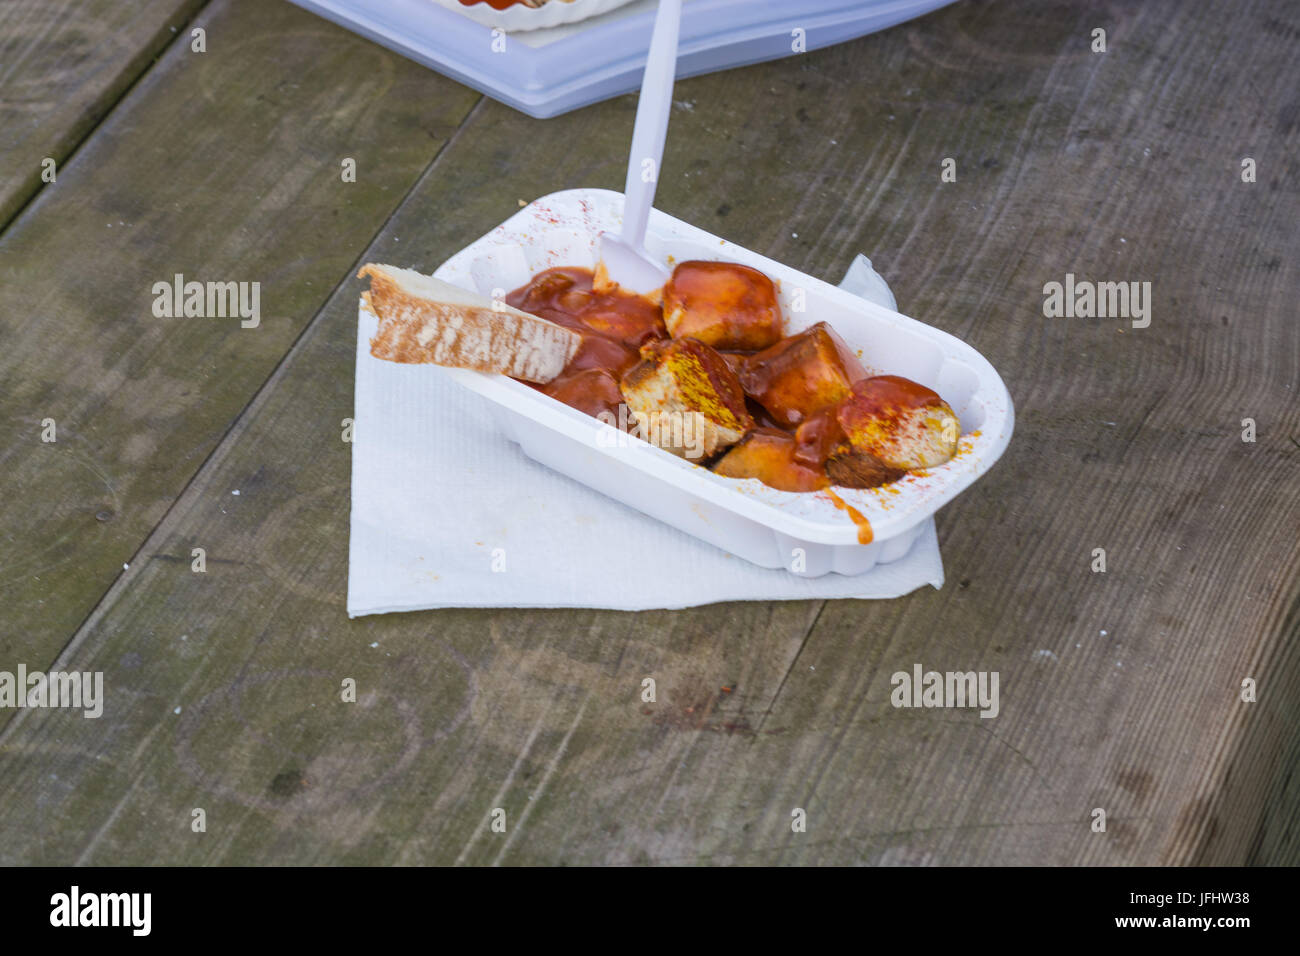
(744, 517)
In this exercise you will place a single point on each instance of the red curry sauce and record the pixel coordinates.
(795, 440)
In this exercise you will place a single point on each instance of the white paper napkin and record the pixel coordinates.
(447, 512)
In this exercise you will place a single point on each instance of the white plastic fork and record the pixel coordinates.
(624, 255)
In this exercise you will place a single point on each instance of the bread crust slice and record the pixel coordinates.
(423, 320)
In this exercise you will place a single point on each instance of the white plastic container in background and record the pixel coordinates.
(520, 17)
(550, 71)
(744, 517)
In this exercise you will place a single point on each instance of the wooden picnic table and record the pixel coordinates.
(1120, 690)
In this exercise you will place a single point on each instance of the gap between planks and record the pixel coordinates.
(153, 55)
(234, 431)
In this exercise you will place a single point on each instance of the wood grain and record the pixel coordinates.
(217, 167)
(62, 68)
(1119, 690)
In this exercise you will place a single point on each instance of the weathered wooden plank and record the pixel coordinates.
(1118, 690)
(62, 67)
(224, 166)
